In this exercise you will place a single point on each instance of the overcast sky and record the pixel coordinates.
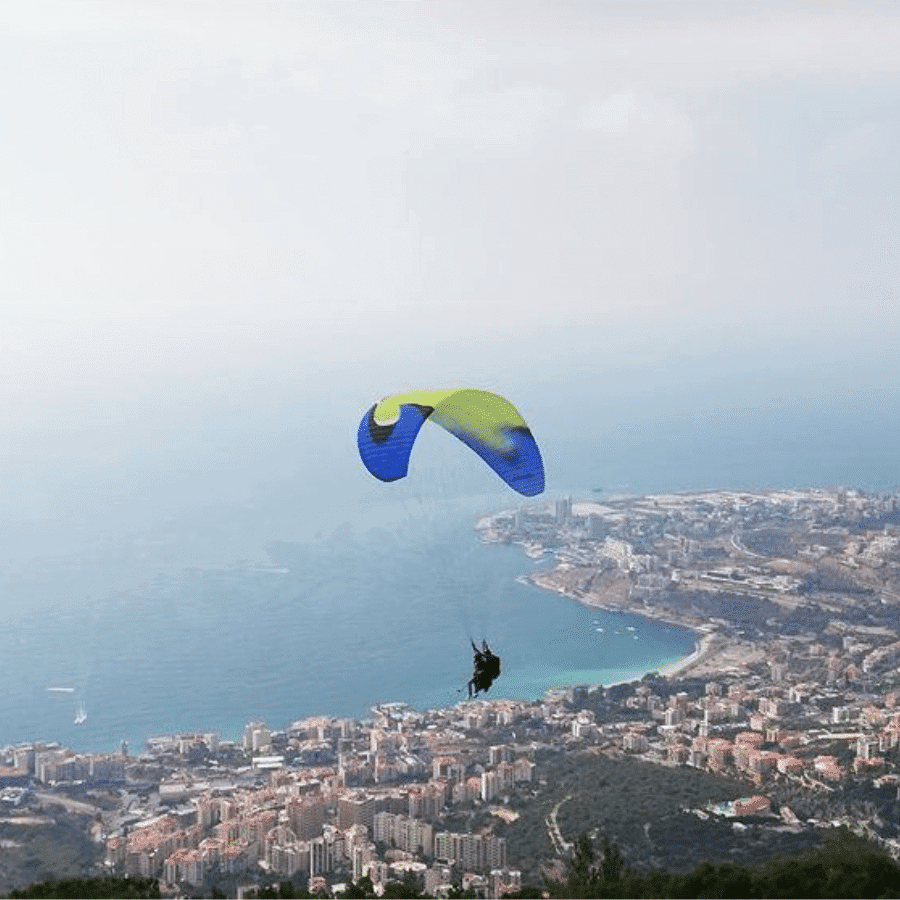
(206, 203)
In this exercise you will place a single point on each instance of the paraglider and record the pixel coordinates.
(487, 423)
(487, 669)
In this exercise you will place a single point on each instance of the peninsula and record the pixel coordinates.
(752, 572)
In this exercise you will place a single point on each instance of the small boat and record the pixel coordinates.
(80, 714)
(61, 690)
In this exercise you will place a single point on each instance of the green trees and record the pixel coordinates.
(392, 889)
(844, 866)
(285, 890)
(592, 874)
(125, 888)
(358, 890)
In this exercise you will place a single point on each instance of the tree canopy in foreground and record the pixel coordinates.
(125, 888)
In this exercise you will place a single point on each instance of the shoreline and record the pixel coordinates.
(705, 634)
(702, 649)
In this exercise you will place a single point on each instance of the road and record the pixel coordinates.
(742, 549)
(560, 846)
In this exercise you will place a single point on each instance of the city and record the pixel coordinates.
(791, 700)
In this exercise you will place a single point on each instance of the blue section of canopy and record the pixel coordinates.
(385, 449)
(519, 464)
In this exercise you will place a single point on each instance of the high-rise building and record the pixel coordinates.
(499, 753)
(426, 801)
(256, 736)
(415, 836)
(494, 851)
(523, 769)
(563, 509)
(321, 859)
(403, 832)
(361, 856)
(356, 810)
(473, 852)
(325, 852)
(449, 767)
(23, 758)
(280, 851)
(306, 815)
(490, 785)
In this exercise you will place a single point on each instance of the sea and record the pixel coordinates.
(329, 627)
(325, 597)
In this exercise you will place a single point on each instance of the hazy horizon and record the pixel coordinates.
(227, 231)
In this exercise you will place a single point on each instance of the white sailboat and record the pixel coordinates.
(80, 714)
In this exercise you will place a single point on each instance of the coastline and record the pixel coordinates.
(707, 641)
(702, 650)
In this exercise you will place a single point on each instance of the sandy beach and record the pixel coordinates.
(703, 649)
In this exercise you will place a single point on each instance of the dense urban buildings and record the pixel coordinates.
(793, 686)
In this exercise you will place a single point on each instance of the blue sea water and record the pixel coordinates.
(186, 622)
(332, 627)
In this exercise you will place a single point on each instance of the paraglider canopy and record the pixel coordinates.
(486, 422)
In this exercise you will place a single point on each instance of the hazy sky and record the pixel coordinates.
(207, 204)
